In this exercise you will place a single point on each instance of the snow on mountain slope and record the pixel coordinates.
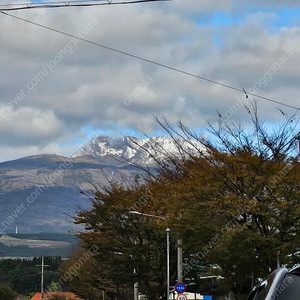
(53, 182)
(134, 149)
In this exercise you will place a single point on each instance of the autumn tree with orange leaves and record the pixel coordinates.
(233, 197)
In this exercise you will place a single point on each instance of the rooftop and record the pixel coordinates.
(68, 295)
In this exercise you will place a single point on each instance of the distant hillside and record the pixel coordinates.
(41, 193)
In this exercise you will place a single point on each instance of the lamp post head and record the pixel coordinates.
(134, 212)
(168, 229)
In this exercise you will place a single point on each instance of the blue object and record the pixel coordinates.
(207, 297)
(180, 287)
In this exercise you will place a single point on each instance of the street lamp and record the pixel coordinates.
(133, 212)
(179, 245)
(168, 262)
(136, 289)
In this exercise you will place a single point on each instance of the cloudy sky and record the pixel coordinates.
(56, 92)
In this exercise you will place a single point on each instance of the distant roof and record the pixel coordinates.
(68, 295)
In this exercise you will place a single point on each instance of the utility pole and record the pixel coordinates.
(179, 260)
(42, 277)
(278, 258)
(136, 288)
(168, 262)
(168, 247)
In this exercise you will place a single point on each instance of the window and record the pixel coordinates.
(288, 289)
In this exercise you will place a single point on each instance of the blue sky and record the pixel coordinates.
(282, 17)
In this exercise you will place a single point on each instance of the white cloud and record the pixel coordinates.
(88, 87)
(11, 153)
(26, 125)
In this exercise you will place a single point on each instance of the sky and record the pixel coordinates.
(57, 92)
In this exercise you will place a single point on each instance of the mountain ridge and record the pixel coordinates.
(55, 181)
(134, 149)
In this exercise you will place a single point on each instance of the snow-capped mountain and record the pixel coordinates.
(47, 186)
(135, 150)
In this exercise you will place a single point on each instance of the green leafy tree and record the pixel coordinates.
(54, 287)
(6, 293)
(23, 275)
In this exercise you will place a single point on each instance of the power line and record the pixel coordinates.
(52, 2)
(153, 62)
(59, 4)
(49, 2)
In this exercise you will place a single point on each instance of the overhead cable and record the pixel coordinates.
(241, 90)
(59, 4)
